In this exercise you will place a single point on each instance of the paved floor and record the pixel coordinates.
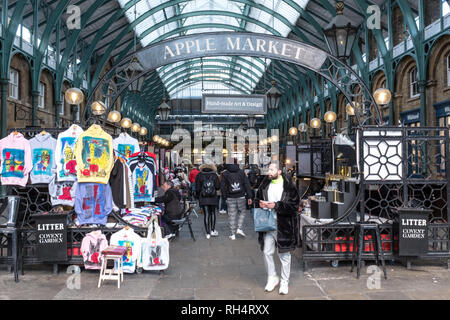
(230, 270)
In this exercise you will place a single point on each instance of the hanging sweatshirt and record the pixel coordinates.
(65, 154)
(91, 247)
(43, 154)
(62, 193)
(131, 240)
(15, 160)
(94, 155)
(126, 145)
(93, 203)
(118, 184)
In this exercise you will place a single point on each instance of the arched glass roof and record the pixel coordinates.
(215, 74)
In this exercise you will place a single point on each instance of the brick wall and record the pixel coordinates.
(437, 89)
(19, 111)
(398, 26)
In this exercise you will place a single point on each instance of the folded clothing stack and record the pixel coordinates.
(140, 216)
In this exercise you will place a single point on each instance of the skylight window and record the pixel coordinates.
(163, 24)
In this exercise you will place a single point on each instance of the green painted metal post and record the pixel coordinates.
(4, 92)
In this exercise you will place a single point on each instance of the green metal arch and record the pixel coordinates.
(207, 69)
(174, 19)
(179, 78)
(167, 76)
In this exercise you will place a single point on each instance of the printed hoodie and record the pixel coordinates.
(93, 203)
(126, 145)
(43, 154)
(66, 164)
(128, 238)
(15, 160)
(62, 193)
(94, 155)
(91, 247)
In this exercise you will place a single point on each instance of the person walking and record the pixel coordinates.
(235, 188)
(279, 193)
(192, 175)
(207, 183)
(222, 203)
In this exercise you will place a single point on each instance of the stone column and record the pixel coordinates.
(58, 107)
(34, 103)
(423, 102)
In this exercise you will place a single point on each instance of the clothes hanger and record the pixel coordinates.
(43, 132)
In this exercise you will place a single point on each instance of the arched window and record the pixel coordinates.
(41, 100)
(413, 84)
(14, 84)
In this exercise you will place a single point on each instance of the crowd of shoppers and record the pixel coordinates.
(229, 189)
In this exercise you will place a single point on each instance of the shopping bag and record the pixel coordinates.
(264, 220)
(155, 248)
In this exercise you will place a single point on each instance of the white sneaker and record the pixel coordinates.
(240, 232)
(272, 282)
(208, 236)
(214, 233)
(233, 237)
(222, 212)
(284, 288)
(170, 235)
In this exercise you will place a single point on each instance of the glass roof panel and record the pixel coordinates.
(196, 90)
(246, 69)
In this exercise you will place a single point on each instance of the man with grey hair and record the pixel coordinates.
(278, 192)
(172, 207)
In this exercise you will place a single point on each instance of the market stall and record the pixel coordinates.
(76, 188)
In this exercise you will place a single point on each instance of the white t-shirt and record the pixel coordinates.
(131, 240)
(65, 154)
(274, 194)
(275, 191)
(126, 145)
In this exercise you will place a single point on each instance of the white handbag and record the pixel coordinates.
(155, 248)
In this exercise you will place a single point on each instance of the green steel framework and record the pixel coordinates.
(295, 96)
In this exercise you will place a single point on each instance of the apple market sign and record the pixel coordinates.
(234, 44)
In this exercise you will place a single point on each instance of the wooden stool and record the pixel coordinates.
(115, 254)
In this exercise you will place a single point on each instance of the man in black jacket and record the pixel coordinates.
(235, 188)
(278, 192)
(172, 206)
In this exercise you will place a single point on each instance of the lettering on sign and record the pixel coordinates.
(234, 104)
(51, 237)
(413, 238)
(242, 44)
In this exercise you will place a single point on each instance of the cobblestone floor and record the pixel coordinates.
(231, 270)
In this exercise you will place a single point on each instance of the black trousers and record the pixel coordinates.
(209, 218)
(167, 224)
